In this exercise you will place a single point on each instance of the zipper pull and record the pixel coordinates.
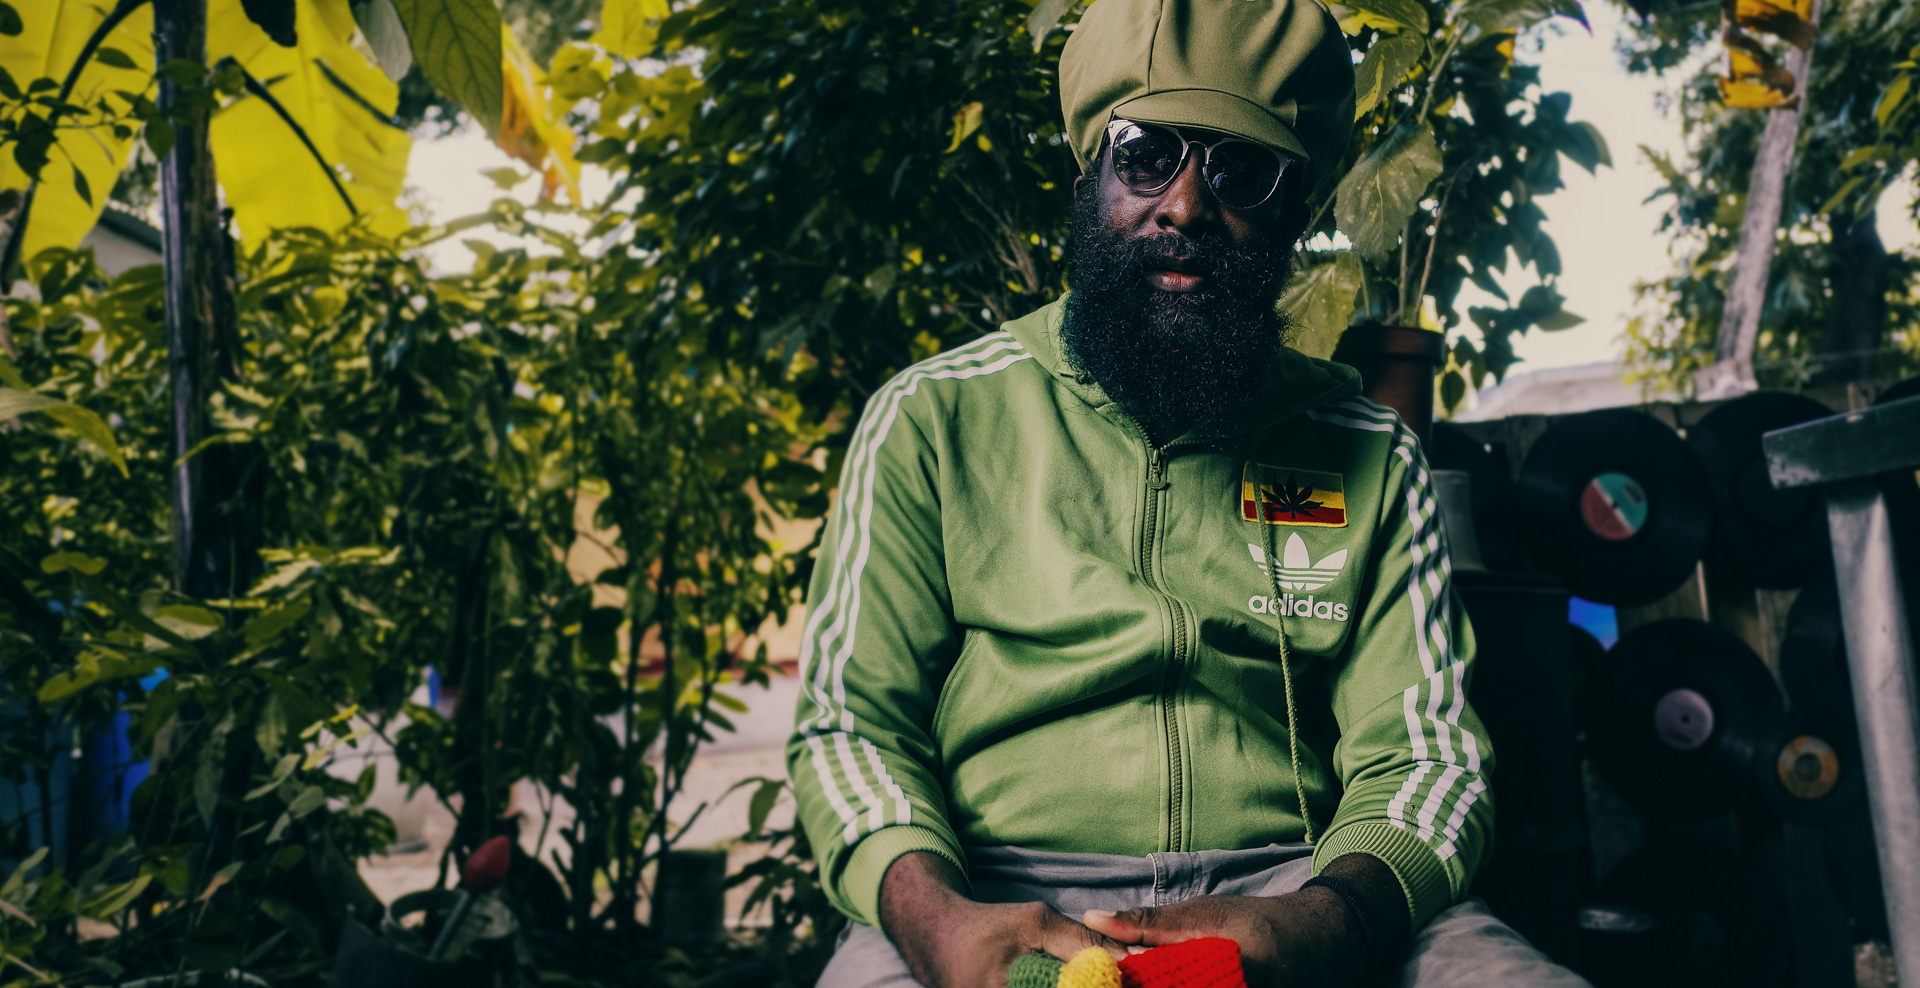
(1156, 470)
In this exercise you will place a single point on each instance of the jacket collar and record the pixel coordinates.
(1300, 382)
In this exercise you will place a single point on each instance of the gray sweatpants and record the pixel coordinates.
(1463, 946)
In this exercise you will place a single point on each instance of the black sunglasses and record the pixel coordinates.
(1148, 157)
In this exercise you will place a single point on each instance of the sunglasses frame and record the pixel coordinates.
(1186, 151)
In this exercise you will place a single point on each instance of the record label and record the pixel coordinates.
(1683, 719)
(1809, 767)
(1615, 503)
(1614, 506)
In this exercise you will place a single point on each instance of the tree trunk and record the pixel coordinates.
(1732, 371)
(201, 322)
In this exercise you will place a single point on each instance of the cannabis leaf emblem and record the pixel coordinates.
(1295, 501)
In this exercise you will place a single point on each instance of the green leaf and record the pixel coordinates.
(1453, 388)
(116, 58)
(274, 17)
(1840, 197)
(630, 28)
(159, 137)
(1403, 12)
(311, 798)
(1045, 17)
(60, 562)
(187, 621)
(115, 898)
(81, 421)
(1375, 199)
(1891, 99)
(269, 624)
(762, 804)
(1319, 300)
(1586, 146)
(1517, 15)
(457, 44)
(10, 23)
(8, 87)
(1558, 320)
(19, 877)
(380, 25)
(206, 777)
(281, 773)
(1383, 69)
(80, 186)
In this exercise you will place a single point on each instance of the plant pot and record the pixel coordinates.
(1397, 365)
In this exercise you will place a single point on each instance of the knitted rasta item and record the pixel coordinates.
(1034, 971)
(1210, 962)
(1090, 968)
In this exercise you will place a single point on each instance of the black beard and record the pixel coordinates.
(1173, 360)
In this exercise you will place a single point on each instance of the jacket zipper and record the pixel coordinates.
(1170, 689)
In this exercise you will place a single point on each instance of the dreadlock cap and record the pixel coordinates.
(1276, 72)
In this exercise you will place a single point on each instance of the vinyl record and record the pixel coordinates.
(1762, 535)
(1816, 775)
(1616, 504)
(1717, 922)
(1452, 448)
(1813, 655)
(1686, 720)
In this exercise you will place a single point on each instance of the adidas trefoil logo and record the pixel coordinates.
(1298, 571)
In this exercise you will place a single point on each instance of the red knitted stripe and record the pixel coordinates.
(1210, 962)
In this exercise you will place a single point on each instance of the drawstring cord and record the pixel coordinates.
(1286, 658)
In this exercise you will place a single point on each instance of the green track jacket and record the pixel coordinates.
(1030, 627)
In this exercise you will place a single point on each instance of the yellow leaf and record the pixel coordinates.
(1747, 95)
(966, 120)
(272, 180)
(54, 32)
(530, 130)
(628, 28)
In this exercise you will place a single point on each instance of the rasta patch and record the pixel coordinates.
(1292, 496)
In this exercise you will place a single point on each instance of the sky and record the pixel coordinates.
(1605, 229)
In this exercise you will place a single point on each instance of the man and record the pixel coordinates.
(1129, 620)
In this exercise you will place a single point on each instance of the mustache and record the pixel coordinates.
(1170, 251)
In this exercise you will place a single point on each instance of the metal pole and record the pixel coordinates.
(1886, 699)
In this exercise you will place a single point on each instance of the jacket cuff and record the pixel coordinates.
(1422, 877)
(868, 864)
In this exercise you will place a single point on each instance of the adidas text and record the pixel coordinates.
(1291, 606)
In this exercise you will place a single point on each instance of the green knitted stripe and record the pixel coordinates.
(1034, 971)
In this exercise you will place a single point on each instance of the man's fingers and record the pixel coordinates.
(1144, 927)
(1063, 938)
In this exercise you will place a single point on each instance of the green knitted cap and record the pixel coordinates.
(1277, 72)
(1034, 971)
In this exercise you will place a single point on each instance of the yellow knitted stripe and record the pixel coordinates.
(1090, 968)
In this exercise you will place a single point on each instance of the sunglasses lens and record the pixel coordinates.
(1145, 158)
(1243, 175)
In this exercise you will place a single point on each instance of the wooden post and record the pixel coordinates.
(1731, 374)
(201, 321)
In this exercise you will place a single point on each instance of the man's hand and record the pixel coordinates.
(1309, 937)
(951, 941)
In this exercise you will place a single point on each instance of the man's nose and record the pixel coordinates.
(1187, 206)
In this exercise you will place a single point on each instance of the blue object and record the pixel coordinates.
(26, 808)
(110, 773)
(1599, 620)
